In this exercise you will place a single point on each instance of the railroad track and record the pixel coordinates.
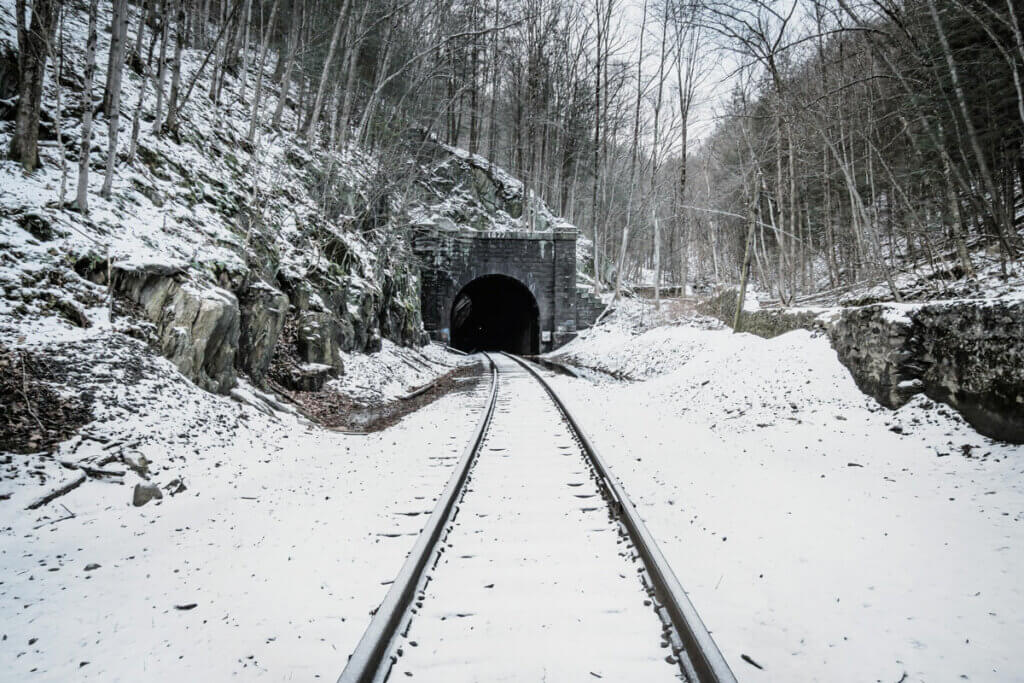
(534, 565)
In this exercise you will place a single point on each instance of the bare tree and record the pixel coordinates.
(114, 85)
(314, 116)
(180, 28)
(33, 48)
(82, 196)
(260, 65)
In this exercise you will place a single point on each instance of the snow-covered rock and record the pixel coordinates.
(143, 493)
(198, 328)
(967, 353)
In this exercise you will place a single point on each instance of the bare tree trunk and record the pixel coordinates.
(621, 264)
(115, 58)
(202, 18)
(383, 77)
(351, 67)
(474, 113)
(58, 74)
(259, 72)
(333, 127)
(303, 91)
(145, 8)
(158, 119)
(656, 158)
(602, 14)
(1000, 220)
(147, 71)
(221, 48)
(289, 65)
(745, 270)
(33, 46)
(314, 116)
(82, 197)
(114, 121)
(244, 30)
(859, 213)
(492, 129)
(179, 44)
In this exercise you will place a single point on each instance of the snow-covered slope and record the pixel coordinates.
(214, 245)
(637, 341)
(203, 197)
(272, 544)
(819, 534)
(213, 258)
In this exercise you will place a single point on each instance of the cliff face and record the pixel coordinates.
(969, 354)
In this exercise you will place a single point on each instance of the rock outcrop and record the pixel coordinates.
(461, 189)
(197, 327)
(969, 354)
(297, 337)
(263, 312)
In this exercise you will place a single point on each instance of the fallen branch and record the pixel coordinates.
(58, 492)
(90, 470)
(70, 515)
(607, 309)
(415, 357)
(96, 472)
(409, 363)
(422, 390)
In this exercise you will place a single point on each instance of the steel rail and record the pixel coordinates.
(698, 645)
(370, 661)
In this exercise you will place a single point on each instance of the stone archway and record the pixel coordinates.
(495, 313)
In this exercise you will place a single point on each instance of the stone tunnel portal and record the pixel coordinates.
(495, 313)
(501, 290)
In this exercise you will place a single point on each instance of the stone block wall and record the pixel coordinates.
(545, 262)
(588, 308)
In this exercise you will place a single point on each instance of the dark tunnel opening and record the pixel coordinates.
(495, 313)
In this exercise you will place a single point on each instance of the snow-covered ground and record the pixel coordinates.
(392, 372)
(267, 565)
(819, 534)
(610, 347)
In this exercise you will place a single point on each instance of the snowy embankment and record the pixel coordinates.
(637, 341)
(823, 536)
(392, 372)
(272, 543)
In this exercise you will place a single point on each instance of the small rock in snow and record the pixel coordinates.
(144, 493)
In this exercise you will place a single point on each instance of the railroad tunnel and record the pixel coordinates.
(495, 313)
(501, 290)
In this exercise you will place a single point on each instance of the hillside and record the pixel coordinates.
(260, 259)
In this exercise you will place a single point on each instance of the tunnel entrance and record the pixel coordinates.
(495, 313)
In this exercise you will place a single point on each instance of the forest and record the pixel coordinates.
(812, 144)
